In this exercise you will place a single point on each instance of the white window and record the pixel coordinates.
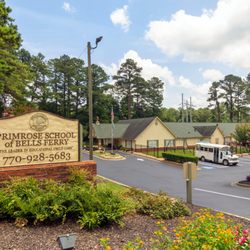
(152, 143)
(128, 144)
(169, 143)
(227, 140)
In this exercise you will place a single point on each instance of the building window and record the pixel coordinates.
(216, 140)
(169, 143)
(152, 143)
(128, 144)
(227, 140)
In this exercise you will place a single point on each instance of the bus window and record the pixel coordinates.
(202, 149)
(211, 150)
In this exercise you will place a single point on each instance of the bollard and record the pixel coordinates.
(189, 183)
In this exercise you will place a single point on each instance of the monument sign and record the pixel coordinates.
(38, 138)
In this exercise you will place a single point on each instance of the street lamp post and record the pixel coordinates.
(90, 95)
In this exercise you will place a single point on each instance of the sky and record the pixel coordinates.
(188, 44)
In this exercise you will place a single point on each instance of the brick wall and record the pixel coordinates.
(56, 171)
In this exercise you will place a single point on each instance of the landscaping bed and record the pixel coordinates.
(108, 155)
(107, 216)
(43, 237)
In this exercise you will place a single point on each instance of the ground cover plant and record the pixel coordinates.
(203, 231)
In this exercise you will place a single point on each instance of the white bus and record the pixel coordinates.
(216, 153)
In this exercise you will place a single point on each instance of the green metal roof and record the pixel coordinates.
(226, 128)
(103, 130)
(186, 130)
(129, 129)
(183, 130)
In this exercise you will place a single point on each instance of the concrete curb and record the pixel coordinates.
(243, 154)
(239, 185)
(110, 159)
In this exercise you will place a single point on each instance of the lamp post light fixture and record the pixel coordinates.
(90, 95)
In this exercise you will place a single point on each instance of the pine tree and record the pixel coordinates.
(14, 74)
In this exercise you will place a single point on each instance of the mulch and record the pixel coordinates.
(44, 237)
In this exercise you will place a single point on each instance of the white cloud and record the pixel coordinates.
(198, 92)
(120, 17)
(68, 7)
(212, 75)
(175, 85)
(220, 35)
(149, 69)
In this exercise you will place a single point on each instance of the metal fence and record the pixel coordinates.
(156, 151)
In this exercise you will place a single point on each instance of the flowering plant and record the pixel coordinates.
(242, 238)
(205, 231)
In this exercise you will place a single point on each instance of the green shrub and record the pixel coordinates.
(80, 177)
(179, 158)
(107, 208)
(158, 206)
(33, 201)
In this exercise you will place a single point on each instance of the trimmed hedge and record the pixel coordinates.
(179, 158)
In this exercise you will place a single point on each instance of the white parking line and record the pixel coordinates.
(229, 195)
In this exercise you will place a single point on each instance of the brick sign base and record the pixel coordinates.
(56, 171)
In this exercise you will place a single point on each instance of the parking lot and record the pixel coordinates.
(244, 162)
(214, 187)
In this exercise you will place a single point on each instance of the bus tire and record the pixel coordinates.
(203, 158)
(225, 162)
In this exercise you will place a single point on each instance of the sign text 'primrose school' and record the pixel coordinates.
(37, 138)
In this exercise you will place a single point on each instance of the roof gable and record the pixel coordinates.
(136, 126)
(205, 131)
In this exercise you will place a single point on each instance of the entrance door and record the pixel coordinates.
(216, 155)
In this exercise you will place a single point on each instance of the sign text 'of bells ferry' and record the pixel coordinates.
(38, 138)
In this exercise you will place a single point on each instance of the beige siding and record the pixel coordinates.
(189, 142)
(217, 137)
(155, 131)
(127, 143)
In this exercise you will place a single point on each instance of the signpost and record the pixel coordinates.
(189, 173)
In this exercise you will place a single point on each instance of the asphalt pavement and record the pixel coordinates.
(214, 187)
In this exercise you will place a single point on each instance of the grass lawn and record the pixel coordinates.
(187, 152)
(103, 184)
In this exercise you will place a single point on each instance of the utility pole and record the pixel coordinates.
(182, 108)
(187, 110)
(191, 118)
(90, 96)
